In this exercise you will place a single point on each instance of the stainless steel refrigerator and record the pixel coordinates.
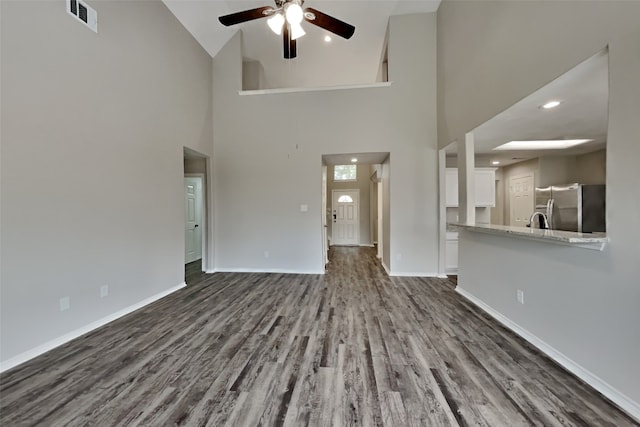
(573, 207)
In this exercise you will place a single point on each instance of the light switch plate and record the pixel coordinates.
(304, 208)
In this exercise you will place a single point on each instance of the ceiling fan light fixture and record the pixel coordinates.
(276, 22)
(294, 13)
(297, 31)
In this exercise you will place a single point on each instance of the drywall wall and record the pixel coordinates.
(591, 168)
(268, 150)
(195, 166)
(93, 128)
(582, 303)
(386, 213)
(373, 211)
(252, 75)
(362, 183)
(555, 170)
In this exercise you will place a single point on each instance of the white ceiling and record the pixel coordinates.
(583, 114)
(340, 62)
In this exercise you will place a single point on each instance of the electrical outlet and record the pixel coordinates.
(104, 291)
(65, 303)
(520, 296)
(266, 254)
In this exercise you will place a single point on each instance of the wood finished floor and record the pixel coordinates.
(353, 347)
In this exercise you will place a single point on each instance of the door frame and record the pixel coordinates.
(325, 226)
(357, 191)
(203, 215)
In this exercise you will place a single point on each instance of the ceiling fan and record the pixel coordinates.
(286, 18)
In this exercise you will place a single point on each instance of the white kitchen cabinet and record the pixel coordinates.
(485, 187)
(451, 254)
(451, 187)
(485, 179)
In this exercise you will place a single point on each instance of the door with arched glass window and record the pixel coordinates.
(345, 223)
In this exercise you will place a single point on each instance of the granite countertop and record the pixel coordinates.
(588, 240)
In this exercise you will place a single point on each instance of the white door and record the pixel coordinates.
(344, 213)
(521, 200)
(192, 219)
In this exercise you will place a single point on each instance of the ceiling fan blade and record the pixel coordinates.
(329, 23)
(290, 48)
(246, 15)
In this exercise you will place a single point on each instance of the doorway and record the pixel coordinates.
(197, 231)
(356, 189)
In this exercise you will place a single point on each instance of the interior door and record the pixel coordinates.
(344, 212)
(521, 193)
(192, 219)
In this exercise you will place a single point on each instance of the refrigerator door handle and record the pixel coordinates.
(550, 204)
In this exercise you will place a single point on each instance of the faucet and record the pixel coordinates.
(544, 225)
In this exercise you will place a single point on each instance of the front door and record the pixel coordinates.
(344, 212)
(192, 219)
(521, 191)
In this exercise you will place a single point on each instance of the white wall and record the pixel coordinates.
(93, 128)
(386, 213)
(268, 152)
(252, 75)
(582, 303)
(591, 168)
(555, 170)
(195, 166)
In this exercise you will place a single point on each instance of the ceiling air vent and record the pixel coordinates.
(83, 13)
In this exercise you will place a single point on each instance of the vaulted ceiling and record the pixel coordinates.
(319, 63)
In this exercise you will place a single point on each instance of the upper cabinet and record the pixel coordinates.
(485, 187)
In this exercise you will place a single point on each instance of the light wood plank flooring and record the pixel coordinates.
(353, 347)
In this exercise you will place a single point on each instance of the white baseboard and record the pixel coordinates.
(366, 245)
(50, 345)
(265, 270)
(624, 402)
(442, 276)
(411, 274)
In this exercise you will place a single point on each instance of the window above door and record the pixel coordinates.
(345, 172)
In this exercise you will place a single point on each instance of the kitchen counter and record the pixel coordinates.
(595, 241)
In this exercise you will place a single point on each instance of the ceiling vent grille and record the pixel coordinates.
(83, 13)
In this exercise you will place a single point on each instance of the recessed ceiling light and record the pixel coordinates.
(541, 145)
(354, 160)
(551, 104)
(495, 162)
(327, 38)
